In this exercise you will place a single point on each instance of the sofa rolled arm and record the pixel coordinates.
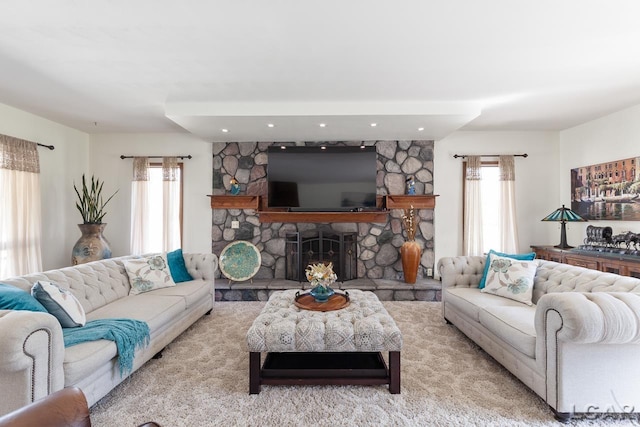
(591, 317)
(463, 271)
(201, 266)
(31, 357)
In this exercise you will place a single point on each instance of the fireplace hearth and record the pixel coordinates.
(310, 247)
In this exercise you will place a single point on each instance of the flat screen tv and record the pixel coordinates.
(322, 179)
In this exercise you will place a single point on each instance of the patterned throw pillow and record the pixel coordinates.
(511, 278)
(523, 257)
(147, 274)
(60, 303)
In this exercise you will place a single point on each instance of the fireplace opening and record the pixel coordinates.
(311, 247)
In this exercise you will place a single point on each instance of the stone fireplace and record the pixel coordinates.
(376, 245)
(311, 247)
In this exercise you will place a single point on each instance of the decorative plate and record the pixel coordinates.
(240, 260)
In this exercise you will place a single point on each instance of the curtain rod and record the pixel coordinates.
(50, 147)
(188, 156)
(455, 156)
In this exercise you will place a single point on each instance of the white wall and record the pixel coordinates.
(537, 184)
(613, 137)
(105, 163)
(58, 169)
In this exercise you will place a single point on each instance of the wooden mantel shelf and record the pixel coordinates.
(318, 217)
(234, 202)
(400, 201)
(405, 201)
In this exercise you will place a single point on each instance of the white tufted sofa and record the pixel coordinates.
(577, 347)
(33, 359)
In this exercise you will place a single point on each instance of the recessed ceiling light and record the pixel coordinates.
(323, 125)
(323, 148)
(271, 125)
(374, 125)
(420, 129)
(225, 130)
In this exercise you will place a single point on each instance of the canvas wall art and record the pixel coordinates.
(607, 191)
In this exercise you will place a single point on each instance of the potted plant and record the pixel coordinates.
(92, 245)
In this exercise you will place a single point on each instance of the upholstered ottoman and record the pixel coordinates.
(333, 347)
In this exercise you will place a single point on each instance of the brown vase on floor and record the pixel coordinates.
(91, 246)
(410, 252)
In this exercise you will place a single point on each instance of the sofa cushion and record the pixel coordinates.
(147, 274)
(471, 300)
(193, 292)
(514, 325)
(158, 311)
(510, 278)
(60, 303)
(82, 359)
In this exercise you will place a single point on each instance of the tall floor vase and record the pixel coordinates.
(91, 246)
(410, 253)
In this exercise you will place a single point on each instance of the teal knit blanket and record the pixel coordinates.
(128, 334)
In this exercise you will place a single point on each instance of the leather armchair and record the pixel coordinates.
(64, 408)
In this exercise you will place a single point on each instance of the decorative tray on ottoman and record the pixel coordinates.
(335, 302)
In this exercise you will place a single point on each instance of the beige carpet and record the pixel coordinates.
(202, 380)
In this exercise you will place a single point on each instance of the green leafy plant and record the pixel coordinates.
(90, 203)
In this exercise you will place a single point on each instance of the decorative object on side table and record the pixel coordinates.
(563, 215)
(321, 277)
(601, 239)
(410, 252)
(92, 245)
(239, 261)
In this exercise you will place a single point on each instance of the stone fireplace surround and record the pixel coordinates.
(378, 244)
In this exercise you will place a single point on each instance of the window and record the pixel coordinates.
(490, 188)
(489, 219)
(156, 206)
(20, 206)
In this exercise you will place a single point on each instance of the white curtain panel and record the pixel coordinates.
(473, 207)
(20, 220)
(170, 203)
(140, 230)
(508, 226)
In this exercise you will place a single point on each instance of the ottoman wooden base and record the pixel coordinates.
(324, 368)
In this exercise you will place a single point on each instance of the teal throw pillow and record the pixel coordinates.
(177, 267)
(12, 298)
(520, 257)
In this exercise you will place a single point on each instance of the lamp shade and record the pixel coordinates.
(563, 215)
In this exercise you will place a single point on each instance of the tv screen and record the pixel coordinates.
(322, 179)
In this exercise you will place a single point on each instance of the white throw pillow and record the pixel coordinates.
(60, 303)
(511, 278)
(147, 274)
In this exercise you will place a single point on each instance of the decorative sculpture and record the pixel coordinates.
(235, 187)
(411, 185)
